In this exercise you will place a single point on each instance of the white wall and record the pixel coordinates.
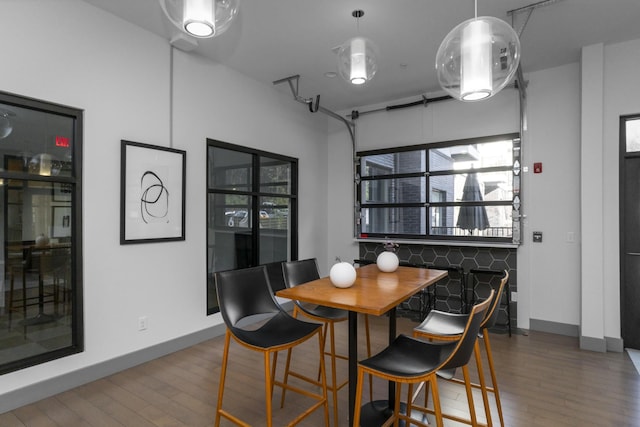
(439, 121)
(592, 176)
(550, 199)
(621, 97)
(587, 101)
(212, 101)
(611, 71)
(78, 55)
(552, 286)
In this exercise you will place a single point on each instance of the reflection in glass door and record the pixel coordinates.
(630, 230)
(40, 312)
(251, 210)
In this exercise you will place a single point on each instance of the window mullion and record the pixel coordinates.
(255, 209)
(408, 191)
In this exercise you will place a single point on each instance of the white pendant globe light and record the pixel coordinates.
(44, 164)
(5, 126)
(357, 58)
(201, 18)
(478, 58)
(358, 69)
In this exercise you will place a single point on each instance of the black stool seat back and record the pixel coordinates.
(299, 272)
(241, 294)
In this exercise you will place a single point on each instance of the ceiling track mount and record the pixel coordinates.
(314, 103)
(528, 10)
(314, 106)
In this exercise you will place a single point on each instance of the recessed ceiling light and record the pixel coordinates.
(330, 74)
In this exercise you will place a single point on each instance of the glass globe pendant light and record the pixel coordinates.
(357, 58)
(201, 18)
(478, 58)
(44, 164)
(5, 125)
(358, 69)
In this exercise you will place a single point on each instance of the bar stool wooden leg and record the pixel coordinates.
(483, 385)
(328, 333)
(273, 370)
(433, 382)
(409, 400)
(324, 380)
(286, 377)
(494, 381)
(268, 387)
(288, 364)
(396, 406)
(356, 411)
(427, 387)
(334, 381)
(325, 331)
(223, 374)
(467, 386)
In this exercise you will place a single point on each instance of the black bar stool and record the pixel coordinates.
(245, 293)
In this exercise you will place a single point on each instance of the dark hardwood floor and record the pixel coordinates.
(545, 380)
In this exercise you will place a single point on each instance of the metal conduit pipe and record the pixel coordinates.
(424, 102)
(351, 127)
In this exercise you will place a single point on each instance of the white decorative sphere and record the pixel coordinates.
(342, 275)
(42, 240)
(388, 262)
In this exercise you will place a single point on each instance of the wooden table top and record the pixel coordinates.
(373, 292)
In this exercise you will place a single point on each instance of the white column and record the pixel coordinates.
(592, 199)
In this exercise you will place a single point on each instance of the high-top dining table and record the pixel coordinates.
(374, 292)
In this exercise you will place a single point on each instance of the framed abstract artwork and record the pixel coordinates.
(61, 226)
(62, 192)
(152, 193)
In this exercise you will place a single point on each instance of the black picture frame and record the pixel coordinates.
(62, 192)
(61, 221)
(152, 193)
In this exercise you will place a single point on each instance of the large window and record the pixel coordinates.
(460, 190)
(252, 210)
(40, 206)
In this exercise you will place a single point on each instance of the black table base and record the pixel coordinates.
(374, 414)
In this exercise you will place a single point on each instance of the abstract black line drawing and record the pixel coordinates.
(61, 221)
(152, 200)
(154, 203)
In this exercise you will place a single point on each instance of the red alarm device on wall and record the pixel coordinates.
(537, 167)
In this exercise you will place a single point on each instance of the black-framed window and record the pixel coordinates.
(41, 207)
(251, 210)
(459, 190)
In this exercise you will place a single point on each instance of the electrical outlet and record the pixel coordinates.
(142, 323)
(514, 297)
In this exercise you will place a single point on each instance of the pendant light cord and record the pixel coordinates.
(358, 13)
(171, 87)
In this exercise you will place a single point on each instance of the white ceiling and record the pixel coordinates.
(274, 39)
